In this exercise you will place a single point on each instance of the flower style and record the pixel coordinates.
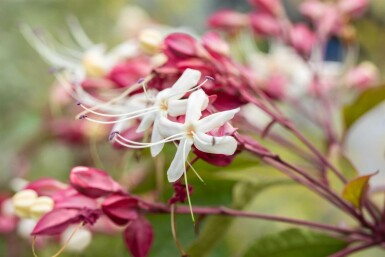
(194, 132)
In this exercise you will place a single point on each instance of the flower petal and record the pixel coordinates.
(216, 145)
(186, 81)
(197, 102)
(216, 120)
(156, 137)
(177, 107)
(177, 167)
(169, 128)
(146, 122)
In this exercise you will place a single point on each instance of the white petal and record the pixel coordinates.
(169, 128)
(156, 137)
(216, 145)
(215, 120)
(197, 102)
(177, 107)
(146, 122)
(177, 167)
(186, 81)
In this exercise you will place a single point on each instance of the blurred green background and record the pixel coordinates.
(24, 86)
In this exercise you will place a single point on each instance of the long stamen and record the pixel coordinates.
(68, 240)
(67, 86)
(78, 33)
(141, 82)
(116, 121)
(196, 173)
(46, 52)
(116, 115)
(118, 98)
(144, 146)
(193, 169)
(186, 182)
(165, 140)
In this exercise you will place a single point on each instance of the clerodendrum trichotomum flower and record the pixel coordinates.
(194, 132)
(164, 103)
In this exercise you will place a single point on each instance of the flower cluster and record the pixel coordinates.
(91, 197)
(205, 95)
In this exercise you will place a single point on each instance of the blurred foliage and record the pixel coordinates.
(365, 102)
(295, 243)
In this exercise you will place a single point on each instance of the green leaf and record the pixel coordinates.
(295, 243)
(356, 189)
(364, 103)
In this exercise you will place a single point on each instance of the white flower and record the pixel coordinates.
(88, 59)
(297, 74)
(193, 132)
(166, 102)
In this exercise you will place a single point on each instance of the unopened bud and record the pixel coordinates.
(7, 208)
(150, 41)
(94, 62)
(22, 202)
(348, 34)
(41, 206)
(25, 227)
(158, 60)
(363, 76)
(353, 8)
(78, 241)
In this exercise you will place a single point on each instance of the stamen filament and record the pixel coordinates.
(196, 173)
(144, 146)
(116, 121)
(172, 138)
(116, 115)
(118, 98)
(186, 182)
(78, 33)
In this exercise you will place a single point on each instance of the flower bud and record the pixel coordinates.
(41, 206)
(25, 227)
(313, 9)
(120, 209)
(94, 61)
(7, 208)
(272, 7)
(93, 182)
(227, 20)
(46, 186)
(56, 221)
(22, 202)
(353, 8)
(158, 60)
(181, 45)
(302, 39)
(264, 24)
(131, 20)
(363, 76)
(78, 241)
(215, 44)
(150, 41)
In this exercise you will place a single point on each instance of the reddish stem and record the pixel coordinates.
(162, 208)
(348, 251)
